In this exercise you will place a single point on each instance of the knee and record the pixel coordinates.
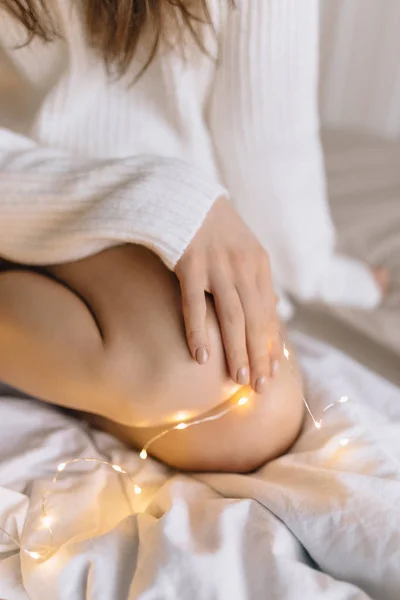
(244, 439)
(270, 426)
(268, 434)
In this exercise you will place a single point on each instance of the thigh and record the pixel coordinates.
(126, 287)
(136, 302)
(49, 342)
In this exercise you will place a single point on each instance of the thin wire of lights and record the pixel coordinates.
(47, 520)
(185, 425)
(317, 424)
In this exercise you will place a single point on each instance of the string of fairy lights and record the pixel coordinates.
(47, 520)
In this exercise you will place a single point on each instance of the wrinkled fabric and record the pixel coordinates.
(322, 521)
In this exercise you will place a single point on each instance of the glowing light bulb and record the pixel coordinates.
(344, 399)
(47, 521)
(286, 352)
(61, 467)
(344, 441)
(34, 555)
(242, 401)
(137, 489)
(143, 454)
(182, 416)
(181, 426)
(118, 468)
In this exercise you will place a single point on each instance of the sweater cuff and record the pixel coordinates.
(177, 199)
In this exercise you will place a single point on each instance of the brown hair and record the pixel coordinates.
(114, 27)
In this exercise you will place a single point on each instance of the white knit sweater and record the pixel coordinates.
(87, 162)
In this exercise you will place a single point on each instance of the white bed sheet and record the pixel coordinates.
(320, 522)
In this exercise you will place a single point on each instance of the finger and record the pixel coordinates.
(275, 346)
(194, 308)
(257, 333)
(231, 320)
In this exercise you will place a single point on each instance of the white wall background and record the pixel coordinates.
(360, 65)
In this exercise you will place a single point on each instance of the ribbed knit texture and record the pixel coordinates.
(101, 162)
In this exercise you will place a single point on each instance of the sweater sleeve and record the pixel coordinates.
(55, 207)
(263, 118)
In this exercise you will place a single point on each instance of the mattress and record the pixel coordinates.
(322, 521)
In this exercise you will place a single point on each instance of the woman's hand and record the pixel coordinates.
(225, 259)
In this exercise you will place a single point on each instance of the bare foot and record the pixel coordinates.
(381, 275)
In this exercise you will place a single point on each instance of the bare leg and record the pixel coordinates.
(126, 360)
(49, 342)
(241, 441)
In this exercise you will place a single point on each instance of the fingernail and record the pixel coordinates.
(260, 384)
(201, 355)
(275, 367)
(243, 376)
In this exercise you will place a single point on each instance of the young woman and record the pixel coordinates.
(130, 288)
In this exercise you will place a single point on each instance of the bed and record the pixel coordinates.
(321, 522)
